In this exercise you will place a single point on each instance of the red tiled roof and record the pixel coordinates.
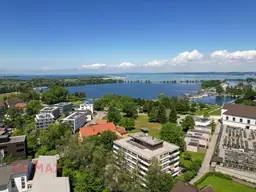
(20, 105)
(101, 122)
(240, 110)
(121, 130)
(97, 129)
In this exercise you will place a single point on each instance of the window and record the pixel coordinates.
(20, 145)
(234, 119)
(248, 121)
(241, 120)
(13, 183)
(3, 147)
(23, 182)
(19, 150)
(226, 117)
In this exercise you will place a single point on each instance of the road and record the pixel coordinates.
(98, 116)
(207, 159)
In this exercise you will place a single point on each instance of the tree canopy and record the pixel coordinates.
(55, 95)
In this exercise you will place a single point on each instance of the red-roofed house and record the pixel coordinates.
(101, 122)
(21, 106)
(98, 129)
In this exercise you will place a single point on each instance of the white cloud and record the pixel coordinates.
(187, 57)
(126, 65)
(47, 68)
(237, 55)
(94, 66)
(156, 63)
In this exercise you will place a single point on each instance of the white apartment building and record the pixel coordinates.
(88, 105)
(14, 177)
(235, 115)
(203, 122)
(43, 120)
(140, 148)
(76, 120)
(53, 110)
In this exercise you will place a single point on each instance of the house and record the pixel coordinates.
(100, 128)
(76, 120)
(21, 106)
(45, 177)
(182, 186)
(43, 120)
(241, 116)
(88, 105)
(13, 101)
(14, 176)
(64, 107)
(140, 148)
(15, 146)
(53, 110)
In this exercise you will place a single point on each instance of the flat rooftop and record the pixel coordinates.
(14, 139)
(199, 131)
(74, 116)
(143, 151)
(47, 180)
(145, 138)
(201, 119)
(63, 103)
(44, 116)
(49, 108)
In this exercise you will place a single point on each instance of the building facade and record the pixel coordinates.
(15, 146)
(140, 148)
(76, 120)
(88, 105)
(14, 177)
(53, 110)
(43, 120)
(235, 115)
(64, 107)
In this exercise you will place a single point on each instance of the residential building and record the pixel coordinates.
(88, 105)
(201, 121)
(76, 120)
(2, 106)
(140, 148)
(182, 186)
(99, 129)
(21, 106)
(13, 101)
(15, 146)
(14, 176)
(64, 107)
(45, 178)
(43, 120)
(53, 110)
(241, 116)
(197, 138)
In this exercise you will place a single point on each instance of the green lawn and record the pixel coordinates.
(217, 112)
(208, 109)
(197, 155)
(224, 185)
(142, 121)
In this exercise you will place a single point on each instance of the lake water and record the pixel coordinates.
(146, 91)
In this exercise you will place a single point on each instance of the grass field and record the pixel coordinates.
(208, 109)
(224, 185)
(217, 112)
(142, 121)
(197, 155)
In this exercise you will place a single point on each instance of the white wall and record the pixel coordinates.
(237, 122)
(85, 106)
(18, 186)
(192, 148)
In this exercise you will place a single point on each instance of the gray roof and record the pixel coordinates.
(7, 170)
(47, 180)
(145, 152)
(14, 139)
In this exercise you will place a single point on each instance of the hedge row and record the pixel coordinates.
(217, 174)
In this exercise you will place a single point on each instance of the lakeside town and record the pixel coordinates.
(119, 143)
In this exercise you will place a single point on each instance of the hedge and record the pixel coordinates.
(218, 174)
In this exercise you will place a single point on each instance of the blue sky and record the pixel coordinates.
(124, 36)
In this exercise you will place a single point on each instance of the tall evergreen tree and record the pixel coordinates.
(161, 115)
(173, 115)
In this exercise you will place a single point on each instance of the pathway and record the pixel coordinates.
(207, 159)
(98, 116)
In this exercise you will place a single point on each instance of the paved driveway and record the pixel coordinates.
(207, 159)
(98, 116)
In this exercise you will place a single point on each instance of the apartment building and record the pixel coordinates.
(43, 120)
(64, 107)
(140, 148)
(241, 116)
(76, 120)
(14, 176)
(88, 105)
(15, 146)
(201, 121)
(53, 110)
